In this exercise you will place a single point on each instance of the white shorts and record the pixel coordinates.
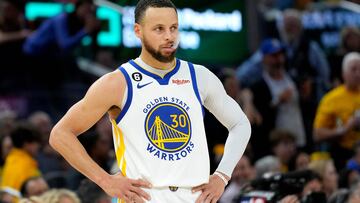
(165, 195)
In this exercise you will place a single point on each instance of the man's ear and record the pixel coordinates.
(137, 30)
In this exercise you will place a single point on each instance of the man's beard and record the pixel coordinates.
(157, 54)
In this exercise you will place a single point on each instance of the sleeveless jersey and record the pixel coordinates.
(159, 135)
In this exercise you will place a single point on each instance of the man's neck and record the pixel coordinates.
(151, 61)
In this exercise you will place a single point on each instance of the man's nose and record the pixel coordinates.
(170, 35)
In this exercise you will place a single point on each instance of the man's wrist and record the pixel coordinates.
(223, 177)
(103, 180)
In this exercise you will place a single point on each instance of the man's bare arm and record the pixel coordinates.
(101, 96)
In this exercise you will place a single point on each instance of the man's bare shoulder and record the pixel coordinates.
(112, 81)
(110, 86)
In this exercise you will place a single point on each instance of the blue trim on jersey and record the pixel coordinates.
(129, 95)
(194, 83)
(162, 81)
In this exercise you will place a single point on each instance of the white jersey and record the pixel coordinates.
(159, 135)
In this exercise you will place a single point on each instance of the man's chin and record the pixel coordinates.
(167, 59)
(168, 55)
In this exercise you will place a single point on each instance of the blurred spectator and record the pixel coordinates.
(277, 100)
(349, 42)
(300, 162)
(289, 199)
(268, 11)
(306, 64)
(313, 183)
(54, 196)
(20, 163)
(6, 146)
(266, 166)
(48, 159)
(306, 61)
(340, 196)
(89, 192)
(311, 191)
(13, 75)
(243, 96)
(34, 186)
(243, 173)
(12, 23)
(60, 196)
(354, 194)
(327, 172)
(6, 197)
(249, 72)
(55, 73)
(43, 123)
(354, 162)
(59, 35)
(351, 195)
(347, 177)
(7, 121)
(283, 147)
(338, 116)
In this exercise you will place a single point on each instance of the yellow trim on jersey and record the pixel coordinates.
(162, 76)
(119, 147)
(119, 151)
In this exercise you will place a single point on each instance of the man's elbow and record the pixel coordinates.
(245, 128)
(248, 128)
(54, 138)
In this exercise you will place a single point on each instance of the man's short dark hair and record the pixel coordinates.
(143, 5)
(24, 133)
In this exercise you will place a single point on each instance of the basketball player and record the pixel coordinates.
(155, 105)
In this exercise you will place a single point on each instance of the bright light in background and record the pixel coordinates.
(113, 36)
(36, 10)
(190, 22)
(120, 29)
(210, 20)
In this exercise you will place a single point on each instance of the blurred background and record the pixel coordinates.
(281, 60)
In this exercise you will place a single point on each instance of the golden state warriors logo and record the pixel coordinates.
(168, 127)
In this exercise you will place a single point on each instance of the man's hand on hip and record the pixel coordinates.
(125, 188)
(212, 191)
